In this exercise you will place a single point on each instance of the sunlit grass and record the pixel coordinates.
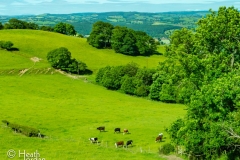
(38, 43)
(69, 111)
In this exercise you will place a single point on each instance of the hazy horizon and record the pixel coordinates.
(35, 7)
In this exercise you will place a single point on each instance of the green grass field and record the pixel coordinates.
(38, 43)
(69, 110)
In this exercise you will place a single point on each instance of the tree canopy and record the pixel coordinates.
(208, 60)
(18, 24)
(64, 28)
(60, 58)
(100, 35)
(121, 39)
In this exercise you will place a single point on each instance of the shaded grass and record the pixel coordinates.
(69, 111)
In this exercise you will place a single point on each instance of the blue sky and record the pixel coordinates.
(21, 7)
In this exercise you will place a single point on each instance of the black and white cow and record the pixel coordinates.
(102, 128)
(129, 142)
(117, 130)
(120, 143)
(94, 140)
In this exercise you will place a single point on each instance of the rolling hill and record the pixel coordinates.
(68, 110)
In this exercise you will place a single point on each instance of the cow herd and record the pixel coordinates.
(121, 143)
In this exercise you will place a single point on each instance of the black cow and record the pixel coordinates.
(102, 128)
(117, 130)
(120, 143)
(94, 140)
(129, 142)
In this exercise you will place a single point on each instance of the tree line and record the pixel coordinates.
(63, 28)
(202, 72)
(121, 39)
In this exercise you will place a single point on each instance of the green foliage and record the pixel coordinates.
(64, 28)
(100, 35)
(61, 59)
(156, 86)
(206, 79)
(146, 45)
(100, 74)
(131, 69)
(121, 39)
(129, 78)
(6, 45)
(130, 42)
(18, 24)
(128, 85)
(1, 26)
(166, 149)
(6, 122)
(25, 130)
(46, 28)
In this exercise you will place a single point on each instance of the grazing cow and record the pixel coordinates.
(159, 138)
(125, 131)
(94, 140)
(120, 143)
(102, 128)
(117, 130)
(129, 142)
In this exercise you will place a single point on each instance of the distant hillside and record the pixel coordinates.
(35, 43)
(155, 24)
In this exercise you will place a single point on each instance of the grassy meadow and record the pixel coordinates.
(38, 43)
(68, 111)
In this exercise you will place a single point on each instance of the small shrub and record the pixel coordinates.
(25, 130)
(6, 45)
(166, 149)
(6, 122)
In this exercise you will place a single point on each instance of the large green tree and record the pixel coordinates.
(209, 60)
(64, 28)
(146, 45)
(60, 58)
(100, 35)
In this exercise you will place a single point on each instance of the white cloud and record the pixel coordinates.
(37, 1)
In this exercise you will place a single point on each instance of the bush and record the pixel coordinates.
(25, 130)
(6, 122)
(6, 45)
(142, 91)
(100, 74)
(131, 69)
(128, 85)
(166, 149)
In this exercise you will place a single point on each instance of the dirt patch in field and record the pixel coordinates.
(171, 157)
(73, 76)
(35, 59)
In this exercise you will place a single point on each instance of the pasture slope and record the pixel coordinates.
(69, 110)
